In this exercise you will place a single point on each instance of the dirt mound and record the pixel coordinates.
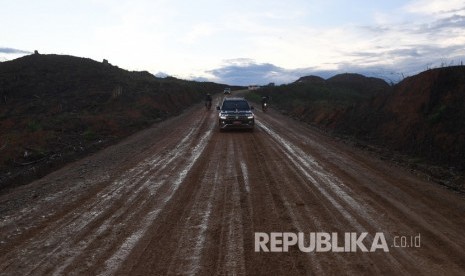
(359, 82)
(423, 117)
(427, 116)
(310, 79)
(54, 108)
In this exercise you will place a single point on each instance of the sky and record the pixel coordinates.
(242, 42)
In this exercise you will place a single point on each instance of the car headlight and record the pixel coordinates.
(222, 117)
(250, 116)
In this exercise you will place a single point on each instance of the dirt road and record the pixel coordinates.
(183, 198)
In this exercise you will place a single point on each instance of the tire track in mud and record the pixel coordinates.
(272, 179)
(212, 220)
(352, 203)
(357, 213)
(188, 255)
(123, 200)
(112, 264)
(327, 191)
(289, 181)
(232, 259)
(317, 176)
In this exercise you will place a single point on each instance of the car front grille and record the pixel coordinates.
(236, 118)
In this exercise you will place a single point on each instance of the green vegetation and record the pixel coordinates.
(437, 115)
(290, 95)
(89, 135)
(254, 97)
(34, 126)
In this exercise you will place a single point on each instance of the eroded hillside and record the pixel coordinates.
(56, 108)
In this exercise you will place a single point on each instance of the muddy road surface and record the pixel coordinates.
(184, 198)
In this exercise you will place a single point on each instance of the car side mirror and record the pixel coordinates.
(252, 108)
(217, 108)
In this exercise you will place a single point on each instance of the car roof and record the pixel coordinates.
(235, 99)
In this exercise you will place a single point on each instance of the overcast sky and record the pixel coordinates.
(242, 41)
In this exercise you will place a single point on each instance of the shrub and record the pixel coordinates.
(34, 126)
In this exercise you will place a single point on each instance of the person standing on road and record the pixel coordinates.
(208, 101)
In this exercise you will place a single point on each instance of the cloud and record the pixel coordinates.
(286, 40)
(4, 50)
(247, 72)
(433, 36)
(199, 32)
(243, 71)
(454, 21)
(403, 34)
(448, 26)
(161, 75)
(250, 72)
(397, 64)
(434, 7)
(402, 42)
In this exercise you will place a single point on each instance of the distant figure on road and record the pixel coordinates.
(265, 100)
(208, 101)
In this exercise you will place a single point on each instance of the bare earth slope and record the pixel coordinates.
(181, 197)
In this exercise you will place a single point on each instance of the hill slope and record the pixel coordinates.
(320, 101)
(422, 117)
(54, 108)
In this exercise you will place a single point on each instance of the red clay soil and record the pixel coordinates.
(423, 117)
(183, 198)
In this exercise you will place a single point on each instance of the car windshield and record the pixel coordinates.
(235, 105)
